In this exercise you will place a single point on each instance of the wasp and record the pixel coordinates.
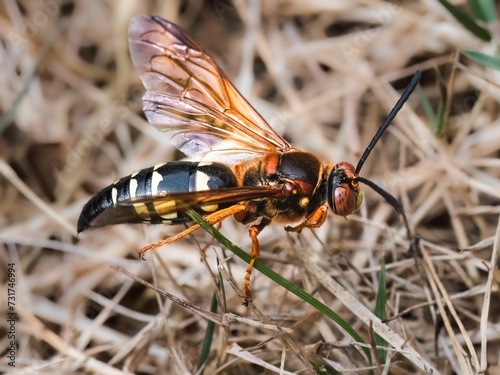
(237, 164)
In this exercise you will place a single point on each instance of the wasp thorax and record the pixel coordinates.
(344, 194)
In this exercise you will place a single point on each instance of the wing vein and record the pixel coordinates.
(186, 91)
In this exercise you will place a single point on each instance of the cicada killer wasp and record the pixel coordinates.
(239, 166)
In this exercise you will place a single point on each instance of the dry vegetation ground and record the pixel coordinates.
(325, 74)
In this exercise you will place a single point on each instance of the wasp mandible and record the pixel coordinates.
(238, 165)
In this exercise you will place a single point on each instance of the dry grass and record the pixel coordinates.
(324, 74)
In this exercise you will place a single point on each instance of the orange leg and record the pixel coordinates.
(213, 218)
(315, 220)
(253, 232)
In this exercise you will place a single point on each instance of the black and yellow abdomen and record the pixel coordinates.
(115, 203)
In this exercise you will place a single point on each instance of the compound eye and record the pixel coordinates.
(346, 199)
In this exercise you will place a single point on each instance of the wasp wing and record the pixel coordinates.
(164, 204)
(188, 93)
(139, 209)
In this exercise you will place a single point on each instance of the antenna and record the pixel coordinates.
(414, 241)
(402, 100)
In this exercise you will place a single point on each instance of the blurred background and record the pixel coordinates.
(324, 74)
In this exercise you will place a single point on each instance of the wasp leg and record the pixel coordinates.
(213, 218)
(315, 220)
(253, 232)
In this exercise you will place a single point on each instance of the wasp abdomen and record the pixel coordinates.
(115, 203)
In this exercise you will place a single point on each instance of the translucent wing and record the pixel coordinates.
(188, 93)
(160, 205)
(163, 204)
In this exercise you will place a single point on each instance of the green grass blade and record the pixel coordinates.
(436, 119)
(483, 10)
(485, 60)
(427, 107)
(467, 21)
(209, 334)
(439, 127)
(381, 311)
(306, 297)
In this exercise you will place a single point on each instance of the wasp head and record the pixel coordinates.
(344, 194)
